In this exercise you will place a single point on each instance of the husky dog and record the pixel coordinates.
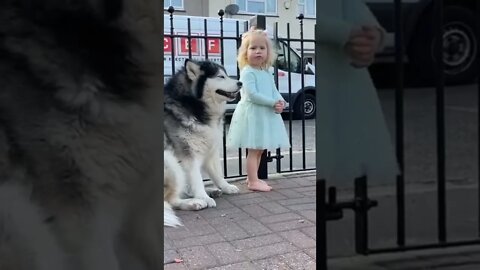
(79, 139)
(194, 108)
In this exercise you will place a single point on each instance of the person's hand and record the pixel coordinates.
(373, 33)
(360, 47)
(279, 106)
(362, 44)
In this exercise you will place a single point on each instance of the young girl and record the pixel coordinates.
(352, 136)
(256, 123)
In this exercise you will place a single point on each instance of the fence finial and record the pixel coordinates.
(171, 9)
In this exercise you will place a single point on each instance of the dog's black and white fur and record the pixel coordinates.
(79, 140)
(194, 109)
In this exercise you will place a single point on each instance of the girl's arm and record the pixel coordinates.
(253, 94)
(364, 14)
(335, 31)
(278, 96)
(332, 31)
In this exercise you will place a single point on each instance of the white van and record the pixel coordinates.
(205, 44)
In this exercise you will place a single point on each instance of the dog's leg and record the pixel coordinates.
(195, 181)
(173, 186)
(212, 167)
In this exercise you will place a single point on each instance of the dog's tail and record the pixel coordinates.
(169, 217)
(26, 241)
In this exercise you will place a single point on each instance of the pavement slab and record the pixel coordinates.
(277, 230)
(249, 230)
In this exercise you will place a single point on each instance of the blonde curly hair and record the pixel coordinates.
(246, 39)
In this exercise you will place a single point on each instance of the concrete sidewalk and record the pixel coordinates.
(250, 230)
(276, 230)
(458, 258)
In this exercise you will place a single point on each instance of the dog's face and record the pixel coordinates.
(210, 81)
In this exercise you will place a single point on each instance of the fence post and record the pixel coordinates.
(221, 12)
(361, 215)
(321, 224)
(321, 183)
(260, 22)
(171, 10)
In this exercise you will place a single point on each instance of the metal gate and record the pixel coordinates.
(329, 209)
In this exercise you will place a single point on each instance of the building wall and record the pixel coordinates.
(193, 8)
(285, 16)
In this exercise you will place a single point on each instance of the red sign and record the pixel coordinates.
(213, 45)
(185, 47)
(167, 45)
(197, 46)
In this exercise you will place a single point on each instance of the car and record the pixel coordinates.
(460, 37)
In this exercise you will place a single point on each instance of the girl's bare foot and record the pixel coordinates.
(246, 181)
(259, 186)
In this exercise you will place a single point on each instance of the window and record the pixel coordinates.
(307, 7)
(177, 4)
(258, 6)
(282, 50)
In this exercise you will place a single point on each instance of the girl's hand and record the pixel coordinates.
(279, 106)
(362, 45)
(373, 33)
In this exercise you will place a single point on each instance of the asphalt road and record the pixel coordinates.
(420, 148)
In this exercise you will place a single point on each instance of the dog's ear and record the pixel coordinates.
(193, 69)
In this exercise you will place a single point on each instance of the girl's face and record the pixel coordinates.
(257, 52)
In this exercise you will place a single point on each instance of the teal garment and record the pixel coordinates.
(254, 123)
(352, 136)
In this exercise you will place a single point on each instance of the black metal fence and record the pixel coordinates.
(330, 210)
(217, 39)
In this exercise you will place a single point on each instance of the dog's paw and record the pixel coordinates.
(210, 202)
(230, 189)
(197, 204)
(190, 204)
(214, 193)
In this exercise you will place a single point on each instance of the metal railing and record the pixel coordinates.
(329, 209)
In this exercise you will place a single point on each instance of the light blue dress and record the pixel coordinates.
(352, 137)
(254, 123)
